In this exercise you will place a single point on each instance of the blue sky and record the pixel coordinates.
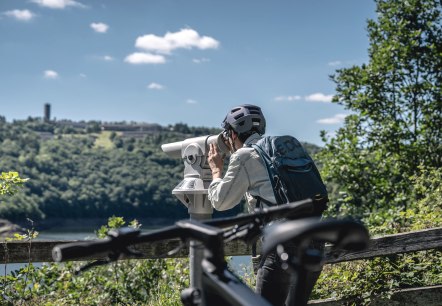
(190, 61)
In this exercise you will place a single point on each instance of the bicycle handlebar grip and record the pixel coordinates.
(74, 250)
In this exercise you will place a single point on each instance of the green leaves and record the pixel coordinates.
(10, 182)
(115, 223)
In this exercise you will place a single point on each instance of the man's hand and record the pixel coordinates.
(216, 161)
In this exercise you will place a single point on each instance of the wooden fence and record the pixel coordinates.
(40, 251)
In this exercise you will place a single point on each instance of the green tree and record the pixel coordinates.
(396, 105)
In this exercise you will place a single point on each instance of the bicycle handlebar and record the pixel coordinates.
(116, 240)
(209, 232)
(343, 234)
(75, 250)
(295, 210)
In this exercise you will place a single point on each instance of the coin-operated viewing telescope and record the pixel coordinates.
(192, 190)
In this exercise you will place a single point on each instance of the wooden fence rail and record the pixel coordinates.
(40, 251)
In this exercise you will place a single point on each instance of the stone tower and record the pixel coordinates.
(47, 112)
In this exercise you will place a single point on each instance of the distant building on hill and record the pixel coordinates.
(74, 124)
(128, 130)
(141, 127)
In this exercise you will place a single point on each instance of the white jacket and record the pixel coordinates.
(246, 176)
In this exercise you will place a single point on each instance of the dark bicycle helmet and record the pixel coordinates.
(245, 118)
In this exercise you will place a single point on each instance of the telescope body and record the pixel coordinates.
(193, 189)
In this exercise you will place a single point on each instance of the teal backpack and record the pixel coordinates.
(291, 170)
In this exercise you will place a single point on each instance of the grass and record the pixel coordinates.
(103, 140)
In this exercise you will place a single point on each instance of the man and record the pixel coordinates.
(247, 176)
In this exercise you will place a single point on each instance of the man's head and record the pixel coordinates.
(245, 120)
(241, 122)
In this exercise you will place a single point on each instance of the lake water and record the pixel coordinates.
(237, 263)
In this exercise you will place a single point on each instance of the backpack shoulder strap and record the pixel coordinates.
(271, 172)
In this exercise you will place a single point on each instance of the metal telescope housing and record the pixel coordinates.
(192, 190)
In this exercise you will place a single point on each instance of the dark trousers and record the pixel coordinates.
(278, 285)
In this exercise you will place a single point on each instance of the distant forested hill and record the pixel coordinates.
(79, 170)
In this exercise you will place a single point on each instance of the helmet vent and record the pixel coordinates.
(254, 110)
(238, 116)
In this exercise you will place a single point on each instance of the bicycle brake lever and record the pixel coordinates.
(90, 265)
(131, 253)
(111, 257)
(247, 232)
(177, 249)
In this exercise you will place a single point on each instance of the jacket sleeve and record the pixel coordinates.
(227, 192)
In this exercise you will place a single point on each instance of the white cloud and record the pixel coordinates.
(157, 47)
(144, 58)
(316, 97)
(185, 39)
(58, 4)
(191, 101)
(155, 86)
(335, 63)
(287, 98)
(200, 60)
(108, 58)
(336, 119)
(319, 97)
(99, 27)
(21, 15)
(83, 75)
(50, 74)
